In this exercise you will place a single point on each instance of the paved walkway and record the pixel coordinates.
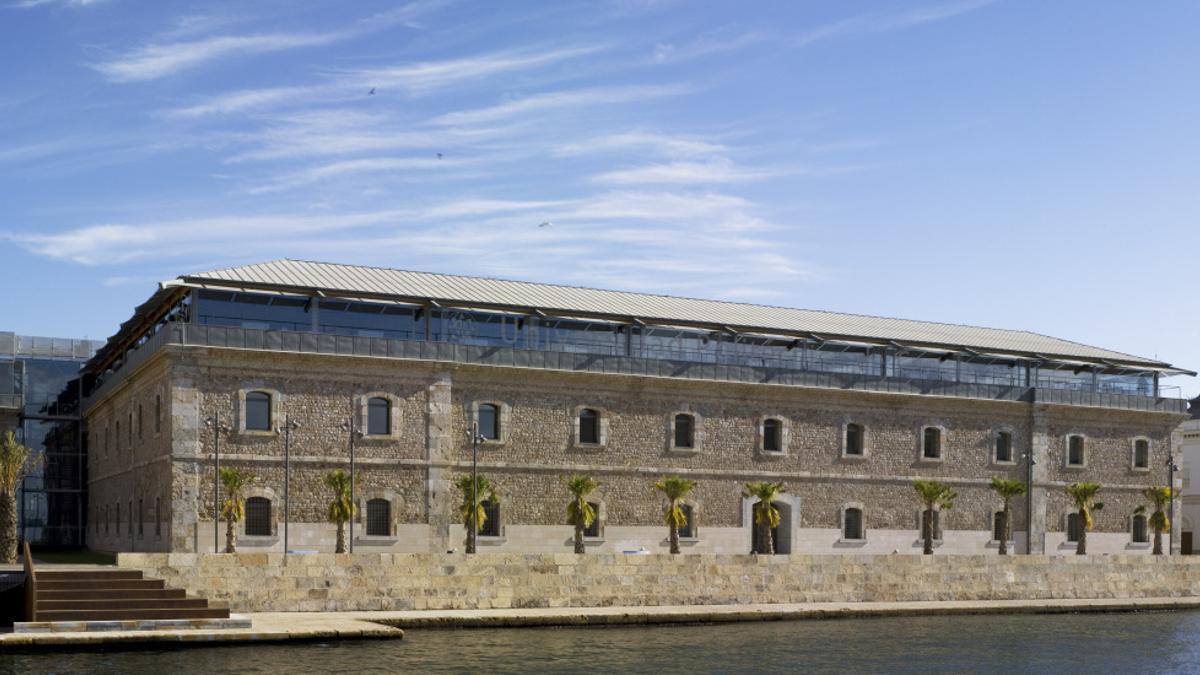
(288, 626)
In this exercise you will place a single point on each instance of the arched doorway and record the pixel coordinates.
(789, 506)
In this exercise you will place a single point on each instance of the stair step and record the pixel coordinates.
(131, 603)
(110, 594)
(87, 575)
(100, 585)
(133, 614)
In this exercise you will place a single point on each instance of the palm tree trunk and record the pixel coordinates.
(230, 541)
(8, 528)
(1081, 547)
(579, 539)
(674, 538)
(927, 531)
(764, 538)
(341, 537)
(1005, 531)
(1157, 541)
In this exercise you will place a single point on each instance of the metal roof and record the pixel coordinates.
(309, 277)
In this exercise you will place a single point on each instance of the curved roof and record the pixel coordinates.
(307, 277)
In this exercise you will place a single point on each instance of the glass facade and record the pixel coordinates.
(40, 393)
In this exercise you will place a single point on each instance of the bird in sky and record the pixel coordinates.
(545, 223)
(372, 92)
(439, 155)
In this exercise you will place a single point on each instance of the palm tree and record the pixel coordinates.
(675, 489)
(933, 495)
(766, 516)
(472, 505)
(1007, 489)
(341, 509)
(1084, 497)
(1160, 499)
(233, 508)
(16, 462)
(579, 512)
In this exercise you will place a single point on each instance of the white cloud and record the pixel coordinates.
(560, 99)
(27, 4)
(706, 44)
(246, 99)
(357, 166)
(887, 21)
(712, 171)
(663, 144)
(427, 76)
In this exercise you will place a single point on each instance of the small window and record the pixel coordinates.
(1141, 454)
(589, 426)
(1140, 535)
(998, 526)
(937, 524)
(852, 527)
(772, 435)
(258, 411)
(1073, 527)
(1075, 450)
(593, 530)
(931, 445)
(158, 413)
(489, 421)
(685, 433)
(491, 522)
(1004, 446)
(258, 516)
(379, 518)
(854, 439)
(688, 531)
(379, 416)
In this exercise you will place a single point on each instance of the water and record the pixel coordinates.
(1163, 642)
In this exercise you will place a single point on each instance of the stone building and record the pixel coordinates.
(285, 365)
(1189, 435)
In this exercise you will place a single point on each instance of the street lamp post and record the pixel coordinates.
(1172, 467)
(215, 423)
(1029, 464)
(476, 439)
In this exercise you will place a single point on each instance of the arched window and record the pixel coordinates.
(1075, 450)
(258, 516)
(589, 426)
(931, 443)
(998, 526)
(1140, 536)
(489, 421)
(688, 531)
(593, 530)
(379, 416)
(1073, 527)
(258, 411)
(379, 518)
(1004, 446)
(685, 431)
(852, 526)
(1141, 454)
(854, 439)
(772, 435)
(491, 522)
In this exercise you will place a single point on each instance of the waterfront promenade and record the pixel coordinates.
(267, 627)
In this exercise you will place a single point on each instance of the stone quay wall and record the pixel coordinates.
(261, 582)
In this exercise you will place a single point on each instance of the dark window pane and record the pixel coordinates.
(379, 518)
(491, 523)
(489, 422)
(379, 417)
(1141, 454)
(258, 517)
(683, 431)
(258, 411)
(998, 526)
(853, 529)
(689, 529)
(593, 530)
(1073, 527)
(1003, 447)
(932, 446)
(1075, 450)
(589, 426)
(854, 439)
(771, 436)
(1139, 530)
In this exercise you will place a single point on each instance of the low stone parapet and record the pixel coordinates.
(262, 582)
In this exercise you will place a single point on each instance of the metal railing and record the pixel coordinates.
(773, 373)
(10, 400)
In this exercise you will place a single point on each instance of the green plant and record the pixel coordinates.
(1007, 489)
(766, 515)
(16, 462)
(933, 495)
(341, 508)
(1159, 520)
(233, 508)
(675, 489)
(1083, 495)
(472, 504)
(579, 512)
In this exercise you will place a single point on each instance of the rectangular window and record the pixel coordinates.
(1140, 535)
(1073, 527)
(854, 439)
(1141, 454)
(379, 416)
(772, 432)
(593, 530)
(1075, 451)
(998, 526)
(684, 434)
(258, 517)
(1003, 446)
(489, 421)
(491, 522)
(379, 518)
(931, 447)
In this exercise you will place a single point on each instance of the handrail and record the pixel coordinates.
(30, 585)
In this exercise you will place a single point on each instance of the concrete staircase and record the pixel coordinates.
(113, 595)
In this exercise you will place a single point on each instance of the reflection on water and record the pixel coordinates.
(1107, 643)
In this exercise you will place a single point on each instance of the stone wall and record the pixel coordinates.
(326, 582)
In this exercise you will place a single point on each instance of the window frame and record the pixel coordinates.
(1072, 516)
(270, 517)
(378, 405)
(845, 440)
(598, 524)
(862, 523)
(697, 433)
(274, 404)
(1133, 527)
(997, 433)
(503, 421)
(1083, 451)
(782, 435)
(692, 532)
(1133, 454)
(370, 518)
(941, 443)
(492, 520)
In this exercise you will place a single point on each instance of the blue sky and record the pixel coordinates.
(1011, 164)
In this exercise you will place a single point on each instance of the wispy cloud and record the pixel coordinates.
(657, 143)
(706, 44)
(891, 20)
(560, 99)
(713, 171)
(357, 166)
(427, 76)
(27, 4)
